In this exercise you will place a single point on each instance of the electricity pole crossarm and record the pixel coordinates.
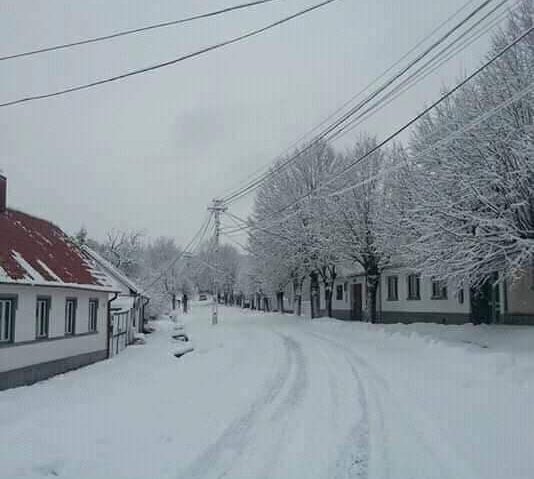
(217, 207)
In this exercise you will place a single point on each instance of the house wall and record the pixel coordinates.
(28, 359)
(426, 309)
(341, 309)
(448, 311)
(520, 300)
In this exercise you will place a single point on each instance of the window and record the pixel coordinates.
(439, 289)
(42, 316)
(414, 286)
(461, 297)
(70, 316)
(339, 292)
(93, 315)
(7, 320)
(393, 288)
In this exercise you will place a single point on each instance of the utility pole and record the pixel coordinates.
(216, 208)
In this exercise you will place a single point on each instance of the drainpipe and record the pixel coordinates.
(142, 319)
(109, 322)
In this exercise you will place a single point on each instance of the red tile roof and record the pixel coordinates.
(36, 251)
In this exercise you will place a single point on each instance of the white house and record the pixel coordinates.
(54, 300)
(405, 296)
(127, 308)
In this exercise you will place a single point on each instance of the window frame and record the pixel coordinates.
(13, 301)
(92, 301)
(389, 279)
(439, 289)
(411, 296)
(339, 292)
(73, 301)
(48, 301)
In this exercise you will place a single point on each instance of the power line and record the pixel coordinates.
(403, 128)
(354, 97)
(473, 123)
(233, 240)
(133, 31)
(209, 265)
(197, 237)
(331, 128)
(426, 69)
(459, 44)
(444, 141)
(253, 226)
(432, 106)
(157, 66)
(409, 83)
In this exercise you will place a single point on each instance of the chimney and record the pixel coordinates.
(3, 192)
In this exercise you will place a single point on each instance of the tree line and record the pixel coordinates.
(454, 202)
(152, 265)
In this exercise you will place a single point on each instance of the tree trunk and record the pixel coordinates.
(266, 307)
(280, 301)
(314, 294)
(373, 281)
(297, 297)
(173, 301)
(328, 298)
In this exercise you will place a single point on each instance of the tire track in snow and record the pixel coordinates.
(300, 382)
(418, 426)
(220, 456)
(283, 411)
(353, 458)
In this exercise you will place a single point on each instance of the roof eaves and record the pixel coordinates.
(58, 284)
(104, 263)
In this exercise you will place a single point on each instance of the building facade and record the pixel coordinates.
(54, 300)
(405, 296)
(127, 307)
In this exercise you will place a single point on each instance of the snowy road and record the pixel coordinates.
(266, 396)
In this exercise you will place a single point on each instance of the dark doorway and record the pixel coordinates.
(486, 303)
(356, 302)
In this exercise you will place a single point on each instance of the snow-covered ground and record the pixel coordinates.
(271, 396)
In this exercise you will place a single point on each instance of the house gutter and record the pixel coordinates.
(58, 284)
(109, 323)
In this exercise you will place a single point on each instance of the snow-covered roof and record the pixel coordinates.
(119, 279)
(123, 303)
(346, 269)
(35, 252)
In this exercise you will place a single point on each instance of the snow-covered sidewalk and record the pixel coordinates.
(271, 396)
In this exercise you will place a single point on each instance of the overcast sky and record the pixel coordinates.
(151, 152)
